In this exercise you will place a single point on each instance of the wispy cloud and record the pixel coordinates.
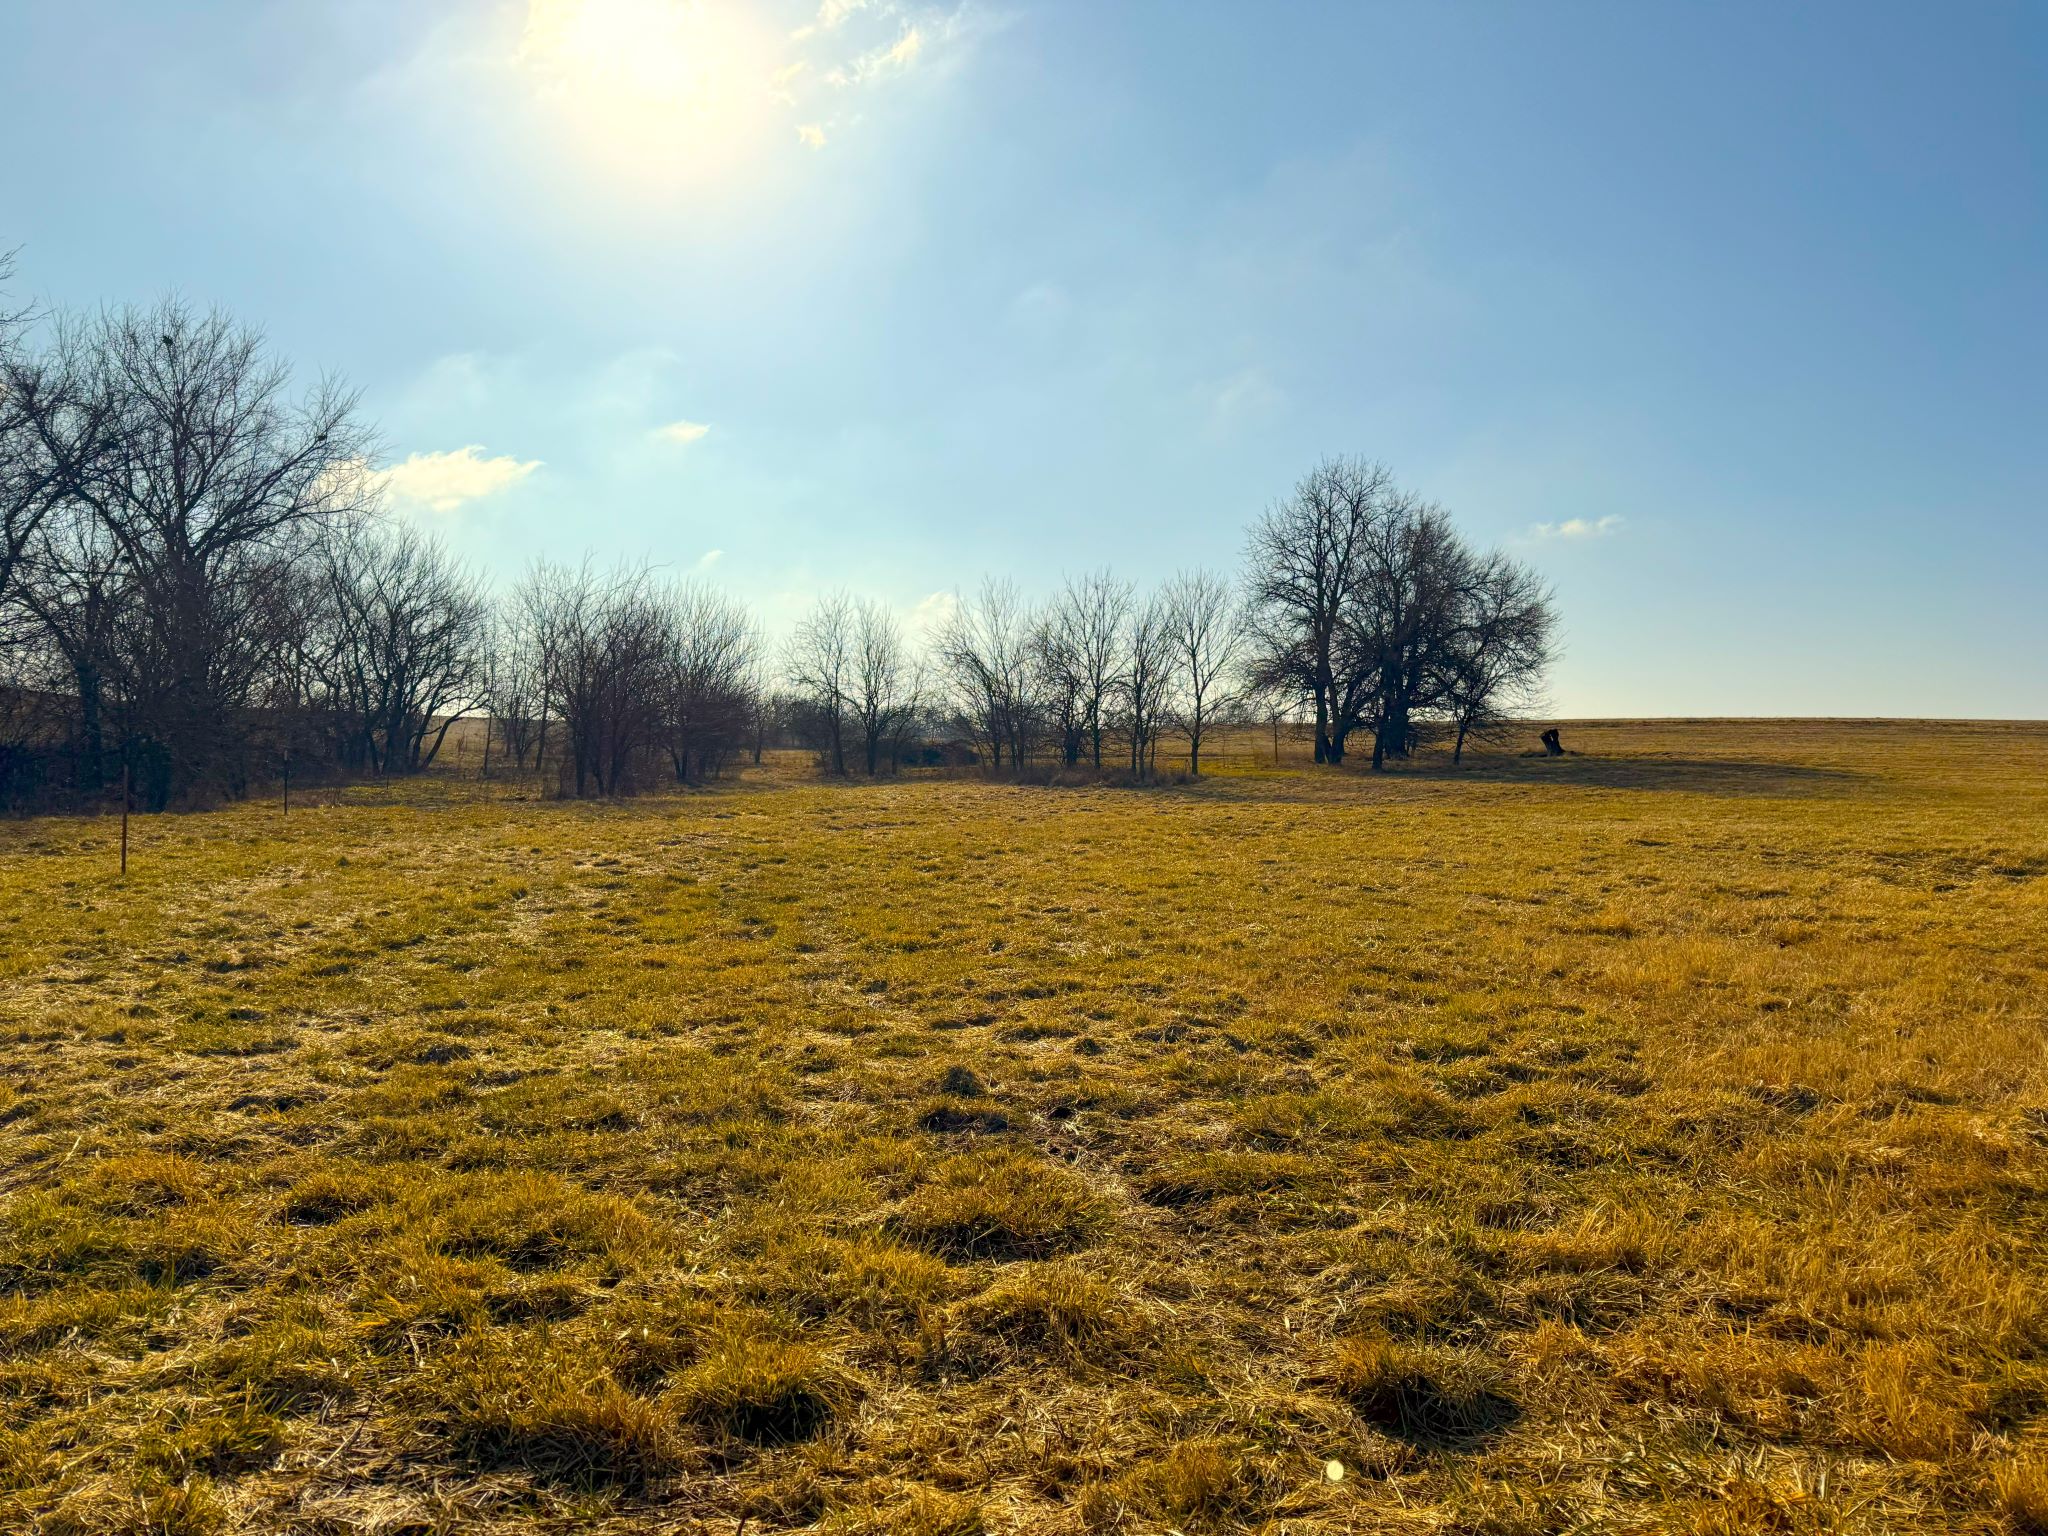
(785, 80)
(682, 431)
(441, 482)
(1577, 528)
(888, 59)
(708, 559)
(855, 48)
(830, 14)
(931, 614)
(1247, 396)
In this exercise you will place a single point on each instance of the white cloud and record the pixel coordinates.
(830, 14)
(899, 55)
(682, 431)
(931, 614)
(441, 482)
(709, 558)
(907, 48)
(785, 82)
(811, 135)
(1577, 528)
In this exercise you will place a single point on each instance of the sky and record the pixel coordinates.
(1730, 318)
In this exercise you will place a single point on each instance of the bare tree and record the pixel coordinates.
(406, 632)
(610, 644)
(174, 432)
(27, 488)
(530, 646)
(708, 681)
(1411, 573)
(1057, 676)
(39, 432)
(823, 667)
(1147, 679)
(1499, 648)
(81, 602)
(1205, 634)
(1304, 562)
(1086, 623)
(888, 683)
(984, 653)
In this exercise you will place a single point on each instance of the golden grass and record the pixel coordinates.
(1654, 1139)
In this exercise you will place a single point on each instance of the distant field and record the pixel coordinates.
(1650, 1139)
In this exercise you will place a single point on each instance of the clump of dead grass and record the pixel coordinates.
(1001, 1204)
(1043, 1311)
(1422, 1393)
(753, 1386)
(520, 1403)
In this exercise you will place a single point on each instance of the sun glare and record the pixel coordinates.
(665, 90)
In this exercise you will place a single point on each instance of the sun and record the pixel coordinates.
(664, 90)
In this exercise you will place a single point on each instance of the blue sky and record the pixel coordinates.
(1731, 318)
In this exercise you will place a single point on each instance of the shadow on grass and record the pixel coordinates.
(1699, 776)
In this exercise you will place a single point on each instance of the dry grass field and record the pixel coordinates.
(1653, 1139)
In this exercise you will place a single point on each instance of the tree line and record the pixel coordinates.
(200, 591)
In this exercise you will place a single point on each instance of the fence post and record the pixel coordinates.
(124, 819)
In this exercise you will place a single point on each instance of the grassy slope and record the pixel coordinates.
(1653, 1139)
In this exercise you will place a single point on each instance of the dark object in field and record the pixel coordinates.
(1552, 747)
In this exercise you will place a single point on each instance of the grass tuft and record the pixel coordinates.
(2020, 1488)
(761, 1389)
(1054, 1311)
(1001, 1205)
(525, 1406)
(1420, 1393)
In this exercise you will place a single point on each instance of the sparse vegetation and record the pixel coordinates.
(1652, 1138)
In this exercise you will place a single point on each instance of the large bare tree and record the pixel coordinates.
(177, 433)
(1304, 563)
(1406, 597)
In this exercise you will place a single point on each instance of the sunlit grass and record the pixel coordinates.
(1651, 1139)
